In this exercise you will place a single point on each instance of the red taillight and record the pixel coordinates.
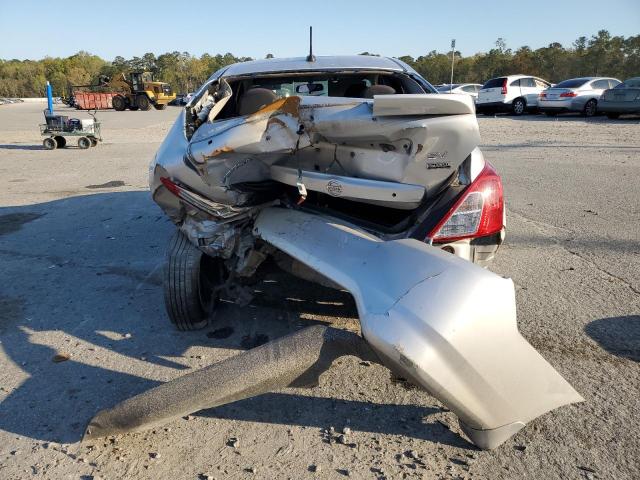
(477, 213)
(542, 95)
(504, 87)
(172, 187)
(569, 94)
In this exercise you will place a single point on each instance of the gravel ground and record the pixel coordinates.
(81, 249)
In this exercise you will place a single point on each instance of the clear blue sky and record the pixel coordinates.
(37, 28)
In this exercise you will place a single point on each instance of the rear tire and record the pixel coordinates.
(590, 108)
(613, 115)
(143, 103)
(189, 278)
(160, 107)
(84, 143)
(518, 107)
(119, 103)
(94, 141)
(60, 141)
(49, 143)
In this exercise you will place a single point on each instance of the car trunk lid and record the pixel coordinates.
(416, 140)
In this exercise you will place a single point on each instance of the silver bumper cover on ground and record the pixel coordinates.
(445, 323)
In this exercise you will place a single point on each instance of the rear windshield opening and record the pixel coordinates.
(572, 83)
(494, 83)
(351, 85)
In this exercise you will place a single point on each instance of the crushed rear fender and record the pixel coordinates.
(445, 323)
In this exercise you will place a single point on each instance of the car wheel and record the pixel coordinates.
(49, 143)
(94, 141)
(160, 107)
(143, 103)
(590, 108)
(613, 115)
(518, 106)
(84, 143)
(189, 280)
(60, 141)
(119, 103)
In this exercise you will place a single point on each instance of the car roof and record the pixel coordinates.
(348, 62)
(588, 79)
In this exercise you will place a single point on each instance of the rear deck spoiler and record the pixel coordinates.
(421, 104)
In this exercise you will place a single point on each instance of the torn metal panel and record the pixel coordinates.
(452, 104)
(337, 137)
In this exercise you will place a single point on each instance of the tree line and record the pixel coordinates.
(600, 54)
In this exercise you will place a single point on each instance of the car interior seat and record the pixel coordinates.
(369, 92)
(255, 99)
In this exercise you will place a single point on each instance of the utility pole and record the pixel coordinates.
(453, 56)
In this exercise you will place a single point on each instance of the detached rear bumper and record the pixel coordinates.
(444, 323)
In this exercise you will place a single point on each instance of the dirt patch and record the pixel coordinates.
(110, 184)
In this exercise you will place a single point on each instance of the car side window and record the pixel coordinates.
(613, 83)
(469, 89)
(541, 84)
(600, 84)
(515, 83)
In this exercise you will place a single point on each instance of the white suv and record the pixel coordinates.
(515, 94)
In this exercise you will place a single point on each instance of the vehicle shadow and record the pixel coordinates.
(21, 147)
(565, 117)
(82, 277)
(619, 336)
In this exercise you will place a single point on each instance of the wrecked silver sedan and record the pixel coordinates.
(351, 172)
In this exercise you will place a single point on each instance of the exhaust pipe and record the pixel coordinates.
(296, 360)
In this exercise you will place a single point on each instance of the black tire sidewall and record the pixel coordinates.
(182, 284)
(143, 102)
(513, 107)
(84, 143)
(120, 102)
(586, 108)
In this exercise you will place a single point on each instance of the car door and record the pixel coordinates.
(598, 87)
(539, 86)
(528, 91)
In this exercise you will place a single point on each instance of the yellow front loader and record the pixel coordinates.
(138, 90)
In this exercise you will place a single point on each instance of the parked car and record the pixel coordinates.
(515, 94)
(621, 99)
(575, 95)
(468, 88)
(257, 133)
(320, 165)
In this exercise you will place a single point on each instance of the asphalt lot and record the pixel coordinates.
(81, 252)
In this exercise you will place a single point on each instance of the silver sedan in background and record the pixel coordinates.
(575, 95)
(468, 88)
(624, 98)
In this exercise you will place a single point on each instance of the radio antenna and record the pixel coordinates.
(311, 57)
